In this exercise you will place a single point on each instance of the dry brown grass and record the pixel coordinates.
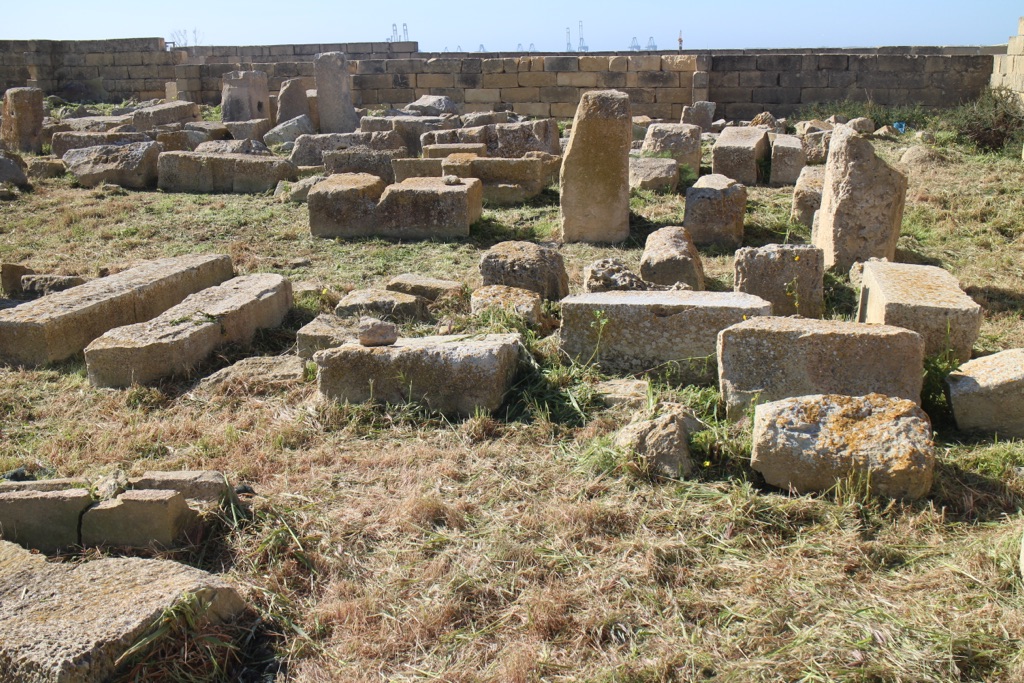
(391, 545)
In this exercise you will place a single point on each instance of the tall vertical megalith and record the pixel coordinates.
(22, 127)
(292, 101)
(861, 203)
(245, 96)
(595, 170)
(334, 93)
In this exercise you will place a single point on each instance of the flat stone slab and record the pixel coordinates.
(61, 484)
(69, 140)
(381, 302)
(667, 332)
(768, 359)
(454, 375)
(442, 151)
(184, 335)
(416, 168)
(813, 443)
(925, 299)
(163, 114)
(987, 394)
(514, 300)
(222, 173)
(43, 520)
(138, 519)
(506, 181)
(70, 622)
(661, 175)
(197, 486)
(430, 288)
(62, 324)
(257, 375)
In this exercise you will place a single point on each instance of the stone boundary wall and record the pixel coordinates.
(743, 82)
(1009, 68)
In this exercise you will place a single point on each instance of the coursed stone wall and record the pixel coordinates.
(1009, 68)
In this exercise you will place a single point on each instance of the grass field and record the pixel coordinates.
(384, 543)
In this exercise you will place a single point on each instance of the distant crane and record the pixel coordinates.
(583, 45)
(568, 40)
(680, 40)
(651, 45)
(533, 48)
(405, 32)
(635, 45)
(519, 47)
(482, 48)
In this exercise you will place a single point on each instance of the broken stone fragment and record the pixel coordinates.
(374, 332)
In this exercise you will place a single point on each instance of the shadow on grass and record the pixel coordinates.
(916, 258)
(996, 299)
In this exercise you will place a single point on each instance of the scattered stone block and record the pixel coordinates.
(289, 130)
(807, 195)
(138, 519)
(253, 129)
(177, 340)
(594, 203)
(325, 332)
(213, 130)
(297, 192)
(632, 393)
(231, 173)
(410, 129)
(203, 487)
(345, 205)
(520, 302)
(364, 160)
(453, 375)
(610, 275)
(680, 141)
(790, 276)
(505, 181)
(670, 256)
(42, 485)
(506, 140)
(528, 266)
(35, 285)
(442, 151)
(245, 146)
(672, 331)
(660, 446)
(699, 114)
(768, 359)
(715, 207)
(60, 325)
(816, 146)
(862, 124)
(813, 126)
(416, 168)
(788, 160)
(256, 375)
(430, 208)
(132, 166)
(740, 154)
(42, 520)
(179, 111)
(433, 105)
(12, 169)
(428, 288)
(987, 394)
(374, 332)
(861, 203)
(659, 175)
(925, 299)
(21, 127)
(387, 304)
(292, 101)
(334, 93)
(813, 443)
(73, 621)
(64, 142)
(10, 278)
(245, 95)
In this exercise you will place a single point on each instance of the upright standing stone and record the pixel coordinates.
(245, 96)
(788, 160)
(22, 126)
(334, 93)
(594, 179)
(680, 141)
(715, 206)
(861, 203)
(292, 101)
(700, 114)
(807, 195)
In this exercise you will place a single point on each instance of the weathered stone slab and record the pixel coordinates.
(244, 146)
(61, 484)
(71, 622)
(660, 175)
(138, 519)
(207, 487)
(345, 205)
(767, 359)
(60, 325)
(861, 203)
(297, 192)
(183, 336)
(807, 195)
(505, 181)
(383, 303)
(289, 130)
(594, 203)
(374, 332)
(454, 375)
(926, 299)
(633, 393)
(429, 288)
(526, 265)
(410, 128)
(179, 111)
(442, 151)
(425, 208)
(813, 443)
(134, 165)
(42, 168)
(211, 173)
(739, 153)
(256, 375)
(521, 302)
(43, 520)
(334, 93)
(790, 276)
(416, 168)
(309, 149)
(715, 207)
(63, 142)
(433, 105)
(672, 331)
(376, 162)
(36, 285)
(670, 257)
(324, 332)
(253, 129)
(245, 95)
(610, 275)
(506, 140)
(659, 446)
(21, 128)
(987, 394)
(12, 169)
(699, 114)
(681, 141)
(788, 160)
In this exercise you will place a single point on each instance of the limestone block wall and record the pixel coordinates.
(1008, 71)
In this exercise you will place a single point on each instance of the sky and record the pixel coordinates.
(504, 25)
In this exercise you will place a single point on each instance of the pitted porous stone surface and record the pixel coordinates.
(133, 165)
(454, 375)
(610, 275)
(670, 256)
(527, 265)
(715, 207)
(69, 140)
(62, 324)
(70, 622)
(768, 359)
(163, 114)
(790, 276)
(738, 154)
(325, 332)
(672, 331)
(788, 160)
(430, 288)
(661, 175)
(258, 374)
(381, 302)
(926, 299)
(515, 300)
(987, 394)
(659, 445)
(813, 443)
(42, 520)
(212, 173)
(138, 519)
(680, 141)
(309, 149)
(197, 486)
(807, 195)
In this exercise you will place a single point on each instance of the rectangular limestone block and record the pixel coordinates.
(345, 204)
(181, 337)
(416, 168)
(163, 114)
(788, 159)
(43, 520)
(430, 208)
(442, 151)
(767, 359)
(325, 332)
(790, 276)
(926, 299)
(739, 152)
(987, 394)
(138, 519)
(228, 173)
(62, 324)
(454, 375)
(671, 332)
(199, 486)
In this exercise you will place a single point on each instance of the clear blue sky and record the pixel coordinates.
(500, 25)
